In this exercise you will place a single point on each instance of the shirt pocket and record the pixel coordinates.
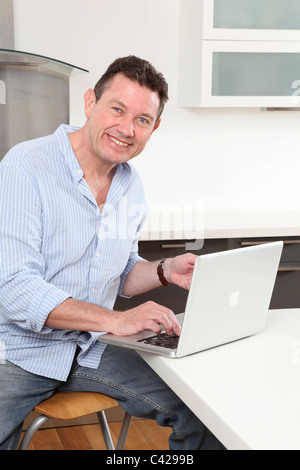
(114, 255)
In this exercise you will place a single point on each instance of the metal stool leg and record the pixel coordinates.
(105, 430)
(124, 431)
(40, 420)
(35, 425)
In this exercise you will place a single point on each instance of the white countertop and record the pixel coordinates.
(265, 222)
(246, 392)
(231, 196)
(220, 222)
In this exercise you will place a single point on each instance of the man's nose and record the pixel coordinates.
(126, 127)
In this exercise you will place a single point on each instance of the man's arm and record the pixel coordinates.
(143, 276)
(76, 315)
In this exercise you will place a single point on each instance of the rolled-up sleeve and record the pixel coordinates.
(133, 260)
(26, 298)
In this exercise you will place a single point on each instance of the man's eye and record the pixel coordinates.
(117, 110)
(143, 120)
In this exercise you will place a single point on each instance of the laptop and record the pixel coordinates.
(229, 299)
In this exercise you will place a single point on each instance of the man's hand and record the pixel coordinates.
(76, 315)
(179, 270)
(152, 316)
(148, 316)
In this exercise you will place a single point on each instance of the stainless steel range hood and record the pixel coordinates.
(7, 32)
(34, 90)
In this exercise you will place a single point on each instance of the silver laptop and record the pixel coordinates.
(228, 300)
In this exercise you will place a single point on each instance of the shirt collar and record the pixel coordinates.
(67, 151)
(119, 185)
(121, 179)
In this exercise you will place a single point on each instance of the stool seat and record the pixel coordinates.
(71, 405)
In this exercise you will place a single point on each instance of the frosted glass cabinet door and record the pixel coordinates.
(232, 55)
(251, 74)
(254, 74)
(252, 19)
(257, 14)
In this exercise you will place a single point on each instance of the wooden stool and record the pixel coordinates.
(70, 405)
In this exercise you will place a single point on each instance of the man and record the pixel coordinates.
(65, 255)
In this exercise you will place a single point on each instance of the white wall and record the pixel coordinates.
(243, 158)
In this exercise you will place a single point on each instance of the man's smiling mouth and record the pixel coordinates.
(118, 142)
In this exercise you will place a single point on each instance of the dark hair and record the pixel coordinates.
(138, 70)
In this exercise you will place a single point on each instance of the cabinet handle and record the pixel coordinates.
(174, 245)
(286, 242)
(288, 267)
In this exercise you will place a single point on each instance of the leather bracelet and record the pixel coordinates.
(160, 273)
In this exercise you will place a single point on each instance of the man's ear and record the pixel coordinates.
(89, 101)
(156, 125)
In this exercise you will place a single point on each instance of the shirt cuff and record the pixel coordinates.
(42, 304)
(131, 263)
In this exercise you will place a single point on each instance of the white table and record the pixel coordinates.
(247, 392)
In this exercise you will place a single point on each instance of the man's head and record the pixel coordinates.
(123, 110)
(138, 70)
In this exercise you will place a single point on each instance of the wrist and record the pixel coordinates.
(163, 271)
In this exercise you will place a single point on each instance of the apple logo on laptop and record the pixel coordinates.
(234, 297)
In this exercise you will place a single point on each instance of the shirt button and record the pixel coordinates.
(94, 291)
(97, 255)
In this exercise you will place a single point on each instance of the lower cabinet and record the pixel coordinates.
(286, 292)
(173, 297)
(287, 287)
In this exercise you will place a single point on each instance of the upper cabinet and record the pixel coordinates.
(239, 53)
(258, 20)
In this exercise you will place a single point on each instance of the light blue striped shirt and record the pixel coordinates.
(55, 244)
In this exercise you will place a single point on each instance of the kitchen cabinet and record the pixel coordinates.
(286, 292)
(287, 287)
(172, 296)
(258, 20)
(236, 53)
(263, 74)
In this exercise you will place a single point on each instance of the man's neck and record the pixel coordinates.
(96, 173)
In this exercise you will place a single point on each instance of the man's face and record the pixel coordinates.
(122, 121)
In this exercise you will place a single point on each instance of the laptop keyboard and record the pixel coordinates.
(163, 340)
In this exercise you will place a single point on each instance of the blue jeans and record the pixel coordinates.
(123, 375)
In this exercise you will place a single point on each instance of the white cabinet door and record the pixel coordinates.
(260, 74)
(239, 53)
(277, 20)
